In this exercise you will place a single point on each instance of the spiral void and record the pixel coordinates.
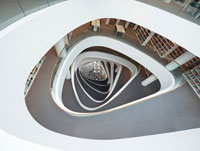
(102, 69)
(97, 81)
(101, 80)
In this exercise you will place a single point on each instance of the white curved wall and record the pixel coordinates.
(23, 43)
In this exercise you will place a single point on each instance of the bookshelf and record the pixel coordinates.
(176, 53)
(163, 46)
(191, 64)
(32, 76)
(144, 35)
(193, 78)
(188, 65)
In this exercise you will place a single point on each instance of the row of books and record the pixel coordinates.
(142, 34)
(170, 51)
(32, 76)
(193, 78)
(162, 46)
(192, 63)
(176, 53)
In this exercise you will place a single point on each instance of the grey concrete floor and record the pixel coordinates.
(174, 111)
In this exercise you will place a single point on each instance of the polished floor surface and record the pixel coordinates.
(174, 111)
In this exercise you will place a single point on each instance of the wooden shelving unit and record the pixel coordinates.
(32, 76)
(191, 64)
(188, 65)
(163, 46)
(176, 53)
(193, 78)
(144, 35)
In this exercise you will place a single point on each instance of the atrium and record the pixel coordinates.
(100, 75)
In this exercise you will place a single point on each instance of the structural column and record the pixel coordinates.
(135, 27)
(60, 47)
(107, 21)
(117, 21)
(111, 73)
(66, 40)
(179, 61)
(126, 25)
(171, 66)
(107, 71)
(167, 1)
(61, 50)
(149, 80)
(148, 38)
